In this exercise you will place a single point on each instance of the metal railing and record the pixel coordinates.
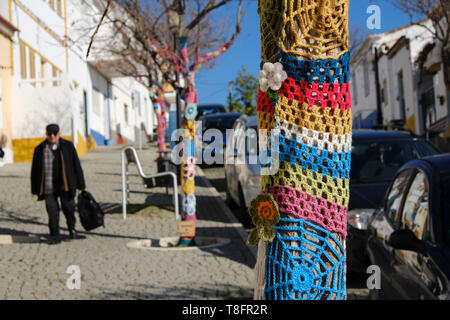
(40, 83)
(129, 155)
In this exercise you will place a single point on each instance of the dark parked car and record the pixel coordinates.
(376, 157)
(206, 109)
(220, 122)
(409, 236)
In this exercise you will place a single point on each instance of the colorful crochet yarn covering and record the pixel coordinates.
(312, 120)
(321, 70)
(314, 269)
(188, 174)
(313, 29)
(271, 23)
(160, 124)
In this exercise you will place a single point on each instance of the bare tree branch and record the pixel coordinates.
(98, 27)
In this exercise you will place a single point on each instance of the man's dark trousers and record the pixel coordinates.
(53, 208)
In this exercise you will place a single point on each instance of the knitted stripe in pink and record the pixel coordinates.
(327, 214)
(324, 95)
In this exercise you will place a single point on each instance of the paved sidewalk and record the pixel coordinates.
(110, 269)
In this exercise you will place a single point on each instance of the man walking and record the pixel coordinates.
(56, 173)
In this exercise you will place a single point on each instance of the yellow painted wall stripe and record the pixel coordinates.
(24, 148)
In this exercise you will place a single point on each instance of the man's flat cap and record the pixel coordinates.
(53, 128)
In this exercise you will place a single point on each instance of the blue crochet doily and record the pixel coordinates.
(313, 270)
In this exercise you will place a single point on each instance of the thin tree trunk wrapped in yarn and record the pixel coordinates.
(310, 113)
(188, 156)
(159, 107)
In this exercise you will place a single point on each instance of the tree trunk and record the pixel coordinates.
(312, 119)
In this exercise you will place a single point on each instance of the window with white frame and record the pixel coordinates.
(354, 88)
(97, 102)
(35, 68)
(125, 108)
(56, 5)
(137, 101)
(366, 79)
(384, 93)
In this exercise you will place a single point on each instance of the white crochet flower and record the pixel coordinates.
(271, 76)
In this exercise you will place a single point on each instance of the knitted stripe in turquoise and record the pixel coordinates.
(314, 270)
(319, 71)
(313, 158)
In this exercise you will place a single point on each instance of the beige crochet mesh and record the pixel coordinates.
(334, 190)
(265, 121)
(314, 118)
(271, 23)
(330, 142)
(315, 29)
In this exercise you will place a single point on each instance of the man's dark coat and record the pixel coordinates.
(67, 172)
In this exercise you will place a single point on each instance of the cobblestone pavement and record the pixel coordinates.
(110, 269)
(356, 283)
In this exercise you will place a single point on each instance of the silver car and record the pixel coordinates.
(243, 180)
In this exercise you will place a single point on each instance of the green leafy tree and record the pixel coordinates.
(245, 91)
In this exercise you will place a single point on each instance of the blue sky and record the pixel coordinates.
(212, 85)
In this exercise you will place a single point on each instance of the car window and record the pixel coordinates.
(415, 209)
(378, 161)
(394, 198)
(220, 123)
(251, 142)
(203, 111)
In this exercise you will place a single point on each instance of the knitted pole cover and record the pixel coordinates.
(307, 40)
(160, 124)
(188, 159)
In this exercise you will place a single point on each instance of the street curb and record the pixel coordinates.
(221, 204)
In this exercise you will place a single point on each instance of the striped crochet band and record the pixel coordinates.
(314, 158)
(334, 190)
(318, 70)
(314, 118)
(313, 122)
(331, 142)
(327, 214)
(323, 95)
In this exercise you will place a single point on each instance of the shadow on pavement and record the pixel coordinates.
(188, 291)
(116, 208)
(207, 209)
(236, 250)
(27, 220)
(219, 183)
(20, 218)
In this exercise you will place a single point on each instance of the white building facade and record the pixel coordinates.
(410, 94)
(54, 82)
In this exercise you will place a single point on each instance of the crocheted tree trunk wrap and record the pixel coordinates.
(312, 120)
(188, 158)
(157, 105)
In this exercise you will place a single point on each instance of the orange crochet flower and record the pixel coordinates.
(264, 213)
